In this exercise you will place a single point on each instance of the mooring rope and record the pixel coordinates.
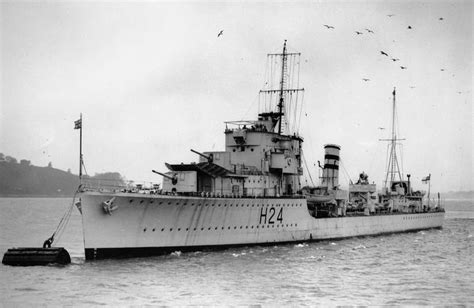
(63, 222)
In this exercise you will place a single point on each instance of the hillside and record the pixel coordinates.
(23, 179)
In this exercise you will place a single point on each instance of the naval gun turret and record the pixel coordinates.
(210, 157)
(173, 179)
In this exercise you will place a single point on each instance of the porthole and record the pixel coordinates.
(169, 202)
(202, 229)
(163, 229)
(240, 227)
(160, 202)
(153, 230)
(179, 229)
(144, 230)
(141, 201)
(251, 227)
(228, 228)
(151, 201)
(235, 227)
(131, 200)
(187, 229)
(194, 229)
(209, 228)
(171, 229)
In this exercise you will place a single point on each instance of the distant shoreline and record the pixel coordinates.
(35, 196)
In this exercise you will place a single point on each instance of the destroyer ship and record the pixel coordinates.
(251, 193)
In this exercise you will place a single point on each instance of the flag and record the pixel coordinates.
(78, 124)
(426, 179)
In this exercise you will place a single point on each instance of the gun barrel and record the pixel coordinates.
(200, 154)
(162, 174)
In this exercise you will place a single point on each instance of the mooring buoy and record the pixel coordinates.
(29, 256)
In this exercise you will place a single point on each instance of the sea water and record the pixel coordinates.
(431, 267)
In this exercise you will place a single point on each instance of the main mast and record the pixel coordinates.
(393, 168)
(282, 87)
(286, 87)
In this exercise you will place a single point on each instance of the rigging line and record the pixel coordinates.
(65, 219)
(298, 73)
(250, 107)
(307, 169)
(387, 163)
(301, 112)
(346, 173)
(295, 113)
(84, 166)
(401, 158)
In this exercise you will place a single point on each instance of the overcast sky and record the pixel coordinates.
(152, 80)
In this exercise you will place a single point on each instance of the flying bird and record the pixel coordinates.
(370, 31)
(403, 67)
(383, 53)
(409, 27)
(394, 59)
(329, 27)
(442, 69)
(365, 79)
(441, 18)
(391, 15)
(412, 87)
(358, 33)
(459, 92)
(381, 128)
(220, 33)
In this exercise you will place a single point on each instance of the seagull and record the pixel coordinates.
(358, 33)
(442, 70)
(220, 33)
(394, 59)
(409, 27)
(368, 30)
(441, 18)
(412, 87)
(365, 79)
(383, 53)
(381, 128)
(329, 27)
(403, 67)
(459, 92)
(391, 15)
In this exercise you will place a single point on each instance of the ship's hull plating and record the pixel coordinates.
(142, 225)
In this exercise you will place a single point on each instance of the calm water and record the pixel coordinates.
(433, 267)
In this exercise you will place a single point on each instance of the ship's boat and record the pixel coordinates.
(248, 194)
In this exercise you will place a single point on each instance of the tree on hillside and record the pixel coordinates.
(25, 162)
(11, 160)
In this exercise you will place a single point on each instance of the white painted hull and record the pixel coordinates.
(152, 224)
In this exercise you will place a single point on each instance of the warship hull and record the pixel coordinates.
(146, 224)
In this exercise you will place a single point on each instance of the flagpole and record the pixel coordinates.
(429, 188)
(80, 151)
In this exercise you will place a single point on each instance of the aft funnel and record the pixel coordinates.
(330, 177)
